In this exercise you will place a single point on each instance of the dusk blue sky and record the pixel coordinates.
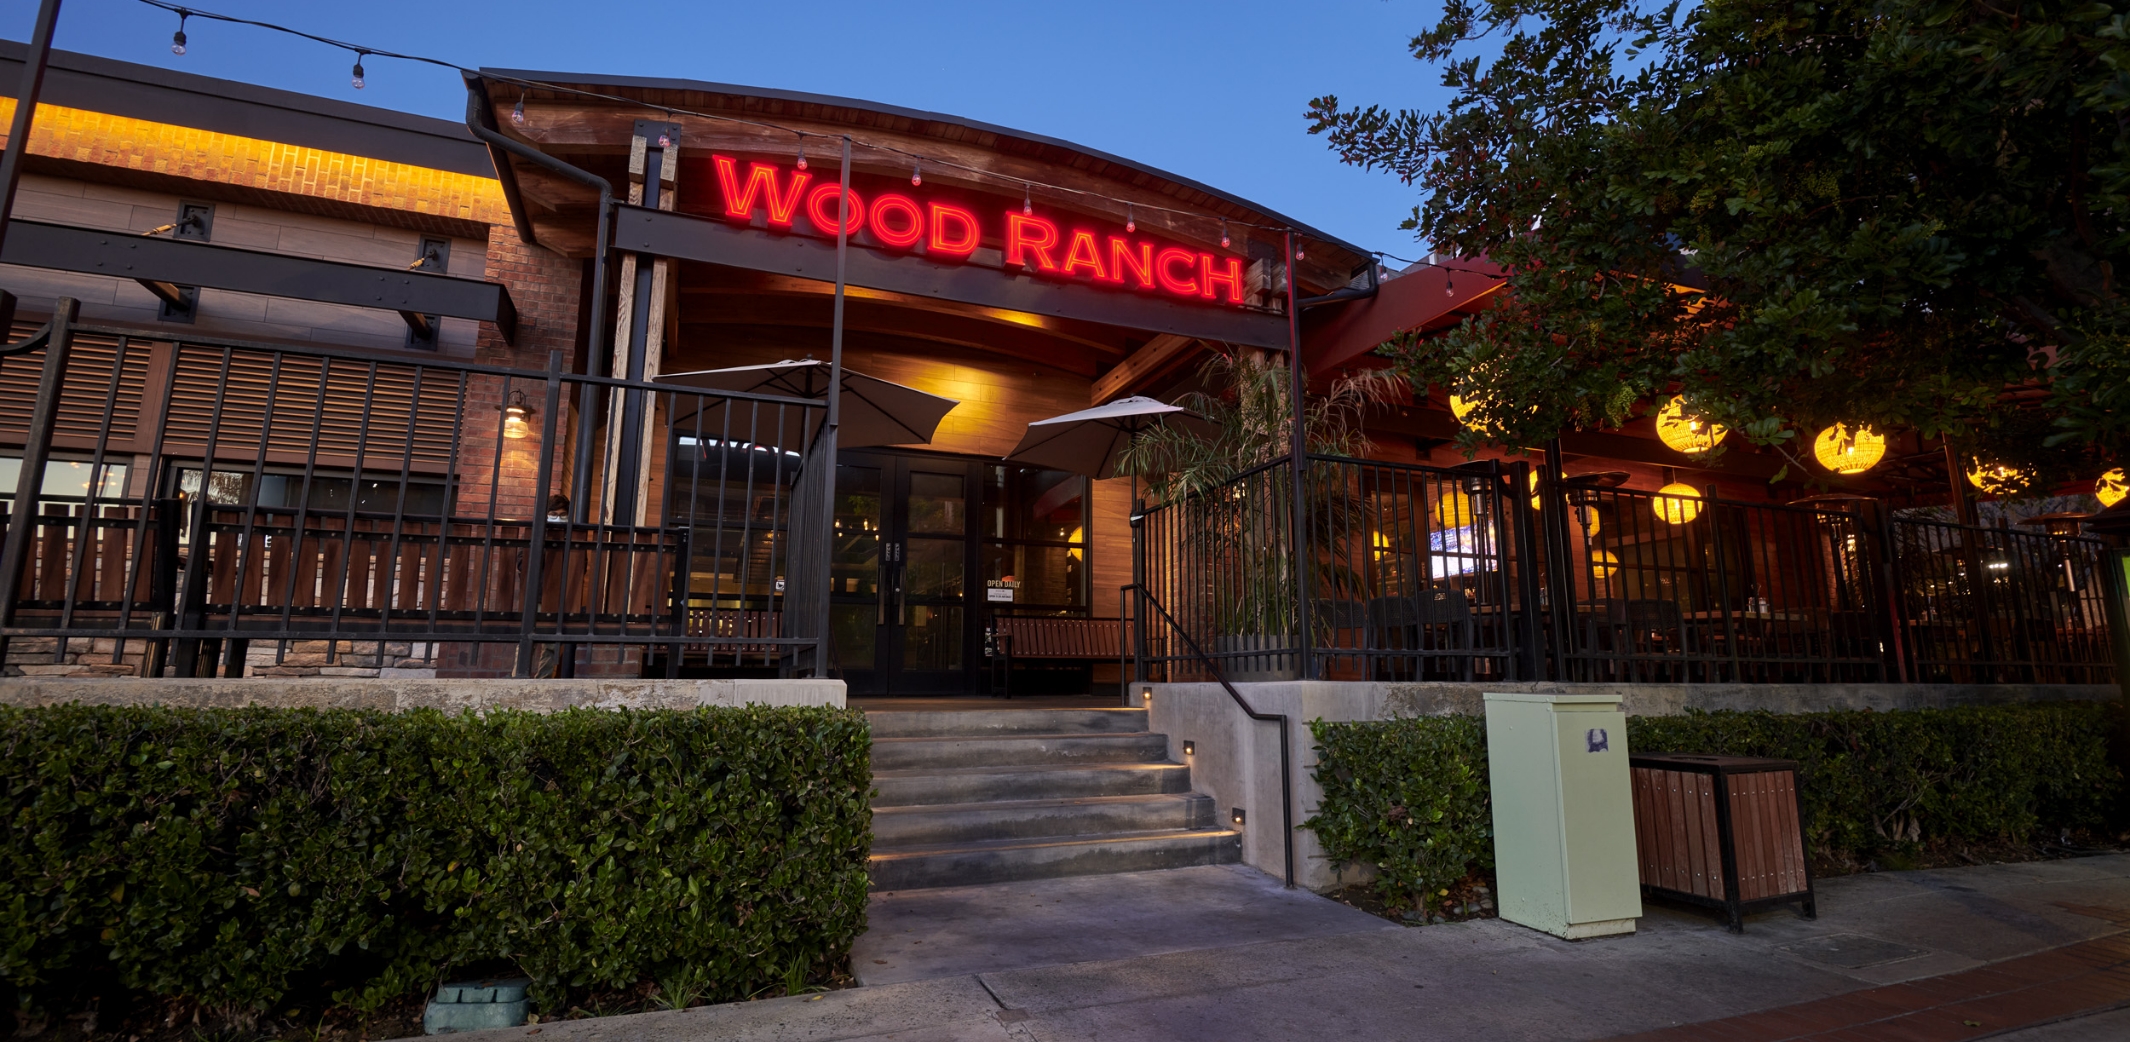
(1211, 90)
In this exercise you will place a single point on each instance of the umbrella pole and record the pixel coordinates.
(826, 451)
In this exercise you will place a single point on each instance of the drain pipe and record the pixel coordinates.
(480, 115)
(1286, 767)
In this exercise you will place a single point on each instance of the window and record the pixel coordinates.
(1035, 541)
(68, 479)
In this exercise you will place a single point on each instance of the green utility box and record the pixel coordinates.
(1564, 851)
(475, 1005)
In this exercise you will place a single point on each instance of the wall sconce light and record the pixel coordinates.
(1190, 748)
(517, 416)
(1235, 815)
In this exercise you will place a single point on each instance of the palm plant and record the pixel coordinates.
(1235, 506)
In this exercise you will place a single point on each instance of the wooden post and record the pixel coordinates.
(654, 166)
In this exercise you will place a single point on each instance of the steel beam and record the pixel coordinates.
(183, 263)
(714, 241)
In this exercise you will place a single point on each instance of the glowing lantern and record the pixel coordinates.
(1536, 501)
(1997, 479)
(1603, 564)
(1683, 433)
(1453, 509)
(2112, 487)
(1462, 407)
(1678, 503)
(1846, 450)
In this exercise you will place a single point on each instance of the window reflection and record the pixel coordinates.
(1035, 548)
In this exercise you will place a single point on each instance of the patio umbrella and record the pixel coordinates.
(874, 411)
(1090, 441)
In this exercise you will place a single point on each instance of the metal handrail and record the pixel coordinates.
(1286, 769)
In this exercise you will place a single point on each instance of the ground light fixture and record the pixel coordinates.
(1677, 503)
(1190, 748)
(1688, 434)
(1849, 450)
(1235, 815)
(517, 416)
(2112, 487)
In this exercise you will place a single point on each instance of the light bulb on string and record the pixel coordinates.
(802, 153)
(1131, 221)
(665, 140)
(916, 175)
(1027, 199)
(1223, 233)
(1449, 282)
(1298, 253)
(177, 39)
(517, 115)
(357, 79)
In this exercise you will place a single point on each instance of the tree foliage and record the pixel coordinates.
(1904, 213)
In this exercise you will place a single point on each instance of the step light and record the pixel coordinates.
(1189, 747)
(1235, 815)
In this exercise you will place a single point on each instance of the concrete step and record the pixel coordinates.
(1037, 819)
(932, 786)
(896, 754)
(979, 722)
(1000, 861)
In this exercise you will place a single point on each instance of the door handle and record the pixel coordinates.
(890, 576)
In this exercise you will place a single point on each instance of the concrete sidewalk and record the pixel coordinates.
(1225, 953)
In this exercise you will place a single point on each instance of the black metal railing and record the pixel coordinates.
(209, 505)
(1481, 572)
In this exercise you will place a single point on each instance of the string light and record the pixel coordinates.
(1131, 223)
(665, 140)
(1449, 282)
(517, 115)
(358, 80)
(916, 176)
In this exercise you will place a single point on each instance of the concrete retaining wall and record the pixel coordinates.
(1235, 759)
(542, 696)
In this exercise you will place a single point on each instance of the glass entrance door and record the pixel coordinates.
(902, 614)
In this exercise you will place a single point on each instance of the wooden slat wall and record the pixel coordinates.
(1675, 831)
(87, 384)
(296, 402)
(1771, 855)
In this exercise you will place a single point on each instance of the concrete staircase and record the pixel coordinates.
(987, 796)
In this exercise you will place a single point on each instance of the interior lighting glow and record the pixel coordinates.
(1848, 450)
(1688, 434)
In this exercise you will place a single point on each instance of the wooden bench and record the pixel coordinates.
(1033, 637)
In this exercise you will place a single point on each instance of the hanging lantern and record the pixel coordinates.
(1537, 501)
(2112, 487)
(1688, 434)
(1849, 450)
(1678, 503)
(1998, 479)
(1603, 564)
(1453, 509)
(1461, 407)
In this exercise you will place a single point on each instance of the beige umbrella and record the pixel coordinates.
(874, 411)
(1091, 441)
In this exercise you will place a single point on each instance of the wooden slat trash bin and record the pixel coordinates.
(1723, 832)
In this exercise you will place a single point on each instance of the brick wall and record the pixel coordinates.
(505, 471)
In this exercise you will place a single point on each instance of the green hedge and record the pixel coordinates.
(237, 857)
(1409, 796)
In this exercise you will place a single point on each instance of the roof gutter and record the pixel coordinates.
(1348, 293)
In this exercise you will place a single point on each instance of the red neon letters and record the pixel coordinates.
(761, 177)
(953, 233)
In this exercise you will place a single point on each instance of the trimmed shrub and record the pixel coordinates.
(233, 857)
(1409, 796)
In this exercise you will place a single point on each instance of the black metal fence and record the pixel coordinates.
(210, 505)
(1485, 572)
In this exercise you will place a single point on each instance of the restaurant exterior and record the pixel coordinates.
(480, 440)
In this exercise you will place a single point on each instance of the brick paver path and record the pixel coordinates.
(2031, 990)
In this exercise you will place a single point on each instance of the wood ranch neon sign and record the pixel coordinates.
(947, 232)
